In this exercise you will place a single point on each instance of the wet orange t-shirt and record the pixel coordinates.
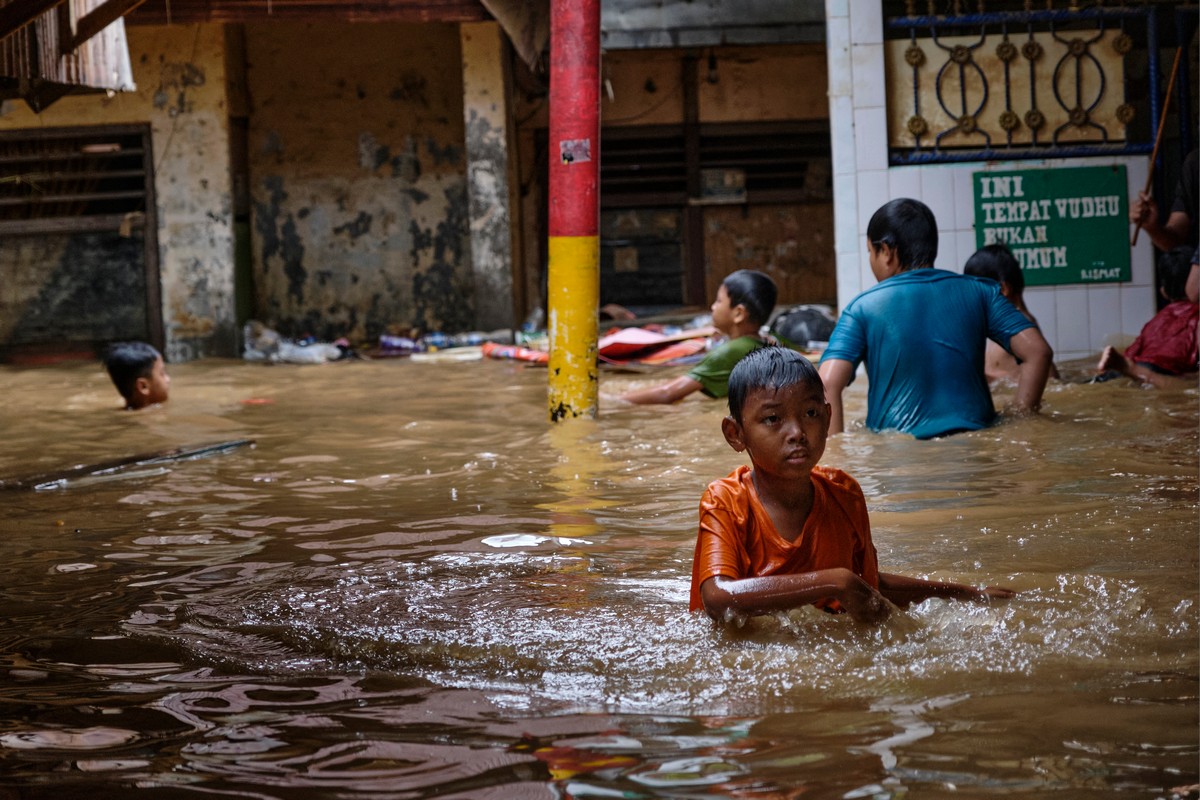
(738, 540)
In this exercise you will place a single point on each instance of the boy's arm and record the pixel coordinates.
(751, 596)
(1036, 358)
(836, 374)
(904, 591)
(665, 393)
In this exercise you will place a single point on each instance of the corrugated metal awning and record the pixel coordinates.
(175, 12)
(73, 46)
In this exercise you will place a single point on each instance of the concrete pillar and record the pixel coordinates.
(485, 76)
(573, 289)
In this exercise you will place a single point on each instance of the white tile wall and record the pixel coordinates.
(872, 193)
(866, 62)
(841, 77)
(904, 182)
(866, 22)
(1104, 316)
(842, 142)
(870, 138)
(1040, 303)
(1071, 313)
(964, 196)
(845, 206)
(965, 242)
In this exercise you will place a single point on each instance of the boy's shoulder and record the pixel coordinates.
(835, 479)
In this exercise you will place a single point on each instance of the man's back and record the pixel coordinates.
(922, 334)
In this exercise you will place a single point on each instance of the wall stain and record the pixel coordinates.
(176, 78)
(357, 227)
(451, 154)
(371, 154)
(292, 251)
(412, 89)
(442, 292)
(265, 215)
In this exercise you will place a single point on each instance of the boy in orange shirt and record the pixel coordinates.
(785, 532)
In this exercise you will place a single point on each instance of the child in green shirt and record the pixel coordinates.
(744, 304)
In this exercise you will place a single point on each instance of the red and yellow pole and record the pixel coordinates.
(574, 214)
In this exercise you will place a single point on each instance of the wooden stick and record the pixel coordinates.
(1162, 118)
(55, 480)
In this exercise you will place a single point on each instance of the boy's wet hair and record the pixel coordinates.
(910, 228)
(128, 361)
(997, 262)
(1173, 268)
(754, 290)
(769, 367)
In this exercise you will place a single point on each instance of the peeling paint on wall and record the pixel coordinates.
(359, 186)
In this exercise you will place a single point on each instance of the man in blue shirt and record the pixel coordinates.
(922, 333)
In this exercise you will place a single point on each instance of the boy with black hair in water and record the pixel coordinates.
(920, 331)
(785, 532)
(997, 263)
(743, 306)
(138, 372)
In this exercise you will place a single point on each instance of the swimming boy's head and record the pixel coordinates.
(138, 372)
(1173, 269)
(996, 262)
(777, 412)
(754, 291)
(907, 228)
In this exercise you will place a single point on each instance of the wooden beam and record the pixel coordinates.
(20, 13)
(100, 18)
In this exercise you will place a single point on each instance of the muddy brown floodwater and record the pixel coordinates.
(413, 586)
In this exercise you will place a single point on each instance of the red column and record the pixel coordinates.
(574, 213)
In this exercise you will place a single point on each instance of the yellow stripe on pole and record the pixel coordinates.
(573, 300)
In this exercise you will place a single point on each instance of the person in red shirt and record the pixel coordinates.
(785, 532)
(1165, 353)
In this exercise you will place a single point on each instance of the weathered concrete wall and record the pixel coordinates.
(489, 173)
(358, 178)
(179, 72)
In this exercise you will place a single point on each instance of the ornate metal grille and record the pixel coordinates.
(1019, 84)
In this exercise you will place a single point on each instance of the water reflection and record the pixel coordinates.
(397, 594)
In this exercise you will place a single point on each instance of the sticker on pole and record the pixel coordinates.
(575, 151)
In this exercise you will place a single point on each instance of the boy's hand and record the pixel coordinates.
(989, 593)
(862, 601)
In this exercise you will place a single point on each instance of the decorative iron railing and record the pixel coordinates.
(1020, 84)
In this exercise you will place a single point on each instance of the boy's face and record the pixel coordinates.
(153, 388)
(784, 430)
(724, 315)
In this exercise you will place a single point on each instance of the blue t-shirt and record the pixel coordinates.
(922, 334)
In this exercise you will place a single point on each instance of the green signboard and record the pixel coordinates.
(1065, 225)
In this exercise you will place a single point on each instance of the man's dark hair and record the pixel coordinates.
(997, 262)
(754, 290)
(128, 361)
(769, 367)
(1173, 268)
(909, 227)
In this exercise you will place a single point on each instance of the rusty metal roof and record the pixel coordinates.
(164, 12)
(47, 58)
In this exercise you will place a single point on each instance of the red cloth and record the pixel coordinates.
(738, 540)
(1168, 341)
